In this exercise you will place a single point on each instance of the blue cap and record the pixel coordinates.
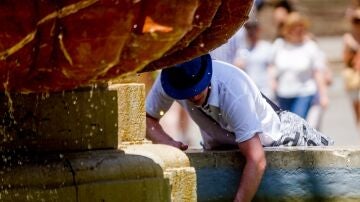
(187, 79)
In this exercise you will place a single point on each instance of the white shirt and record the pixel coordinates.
(295, 66)
(235, 106)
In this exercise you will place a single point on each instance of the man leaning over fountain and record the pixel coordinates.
(230, 111)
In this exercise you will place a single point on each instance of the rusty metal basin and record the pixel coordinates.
(49, 46)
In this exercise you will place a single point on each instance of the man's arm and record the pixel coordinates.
(253, 170)
(319, 76)
(156, 134)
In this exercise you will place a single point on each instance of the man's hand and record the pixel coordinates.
(156, 134)
(179, 145)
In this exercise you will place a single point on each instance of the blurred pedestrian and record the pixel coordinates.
(316, 111)
(254, 58)
(282, 9)
(227, 51)
(351, 58)
(297, 67)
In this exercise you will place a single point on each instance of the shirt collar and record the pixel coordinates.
(213, 96)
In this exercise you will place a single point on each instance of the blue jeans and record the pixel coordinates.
(297, 105)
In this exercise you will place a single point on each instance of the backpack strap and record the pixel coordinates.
(275, 107)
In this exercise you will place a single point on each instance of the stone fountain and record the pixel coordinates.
(71, 130)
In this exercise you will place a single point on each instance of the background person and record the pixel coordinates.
(254, 58)
(351, 58)
(297, 68)
(282, 9)
(316, 111)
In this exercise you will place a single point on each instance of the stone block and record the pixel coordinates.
(82, 119)
(102, 175)
(176, 167)
(131, 112)
(35, 194)
(292, 174)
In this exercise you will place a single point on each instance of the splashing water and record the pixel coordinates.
(10, 101)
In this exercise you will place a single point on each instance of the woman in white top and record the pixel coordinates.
(297, 68)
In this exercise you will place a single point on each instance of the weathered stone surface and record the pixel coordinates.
(139, 173)
(72, 120)
(131, 112)
(292, 174)
(83, 119)
(176, 167)
(48, 46)
(103, 175)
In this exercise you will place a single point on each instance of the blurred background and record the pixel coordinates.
(329, 21)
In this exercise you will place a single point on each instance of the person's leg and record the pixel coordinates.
(314, 116)
(285, 103)
(356, 107)
(302, 105)
(354, 96)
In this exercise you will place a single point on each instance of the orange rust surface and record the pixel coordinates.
(48, 46)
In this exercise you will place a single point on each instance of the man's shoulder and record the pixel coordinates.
(227, 76)
(225, 69)
(221, 65)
